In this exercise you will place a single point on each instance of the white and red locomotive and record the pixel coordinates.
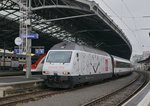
(68, 64)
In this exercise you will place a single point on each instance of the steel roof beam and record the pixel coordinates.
(59, 6)
(65, 18)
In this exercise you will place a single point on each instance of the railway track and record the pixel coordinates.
(32, 96)
(121, 95)
(20, 98)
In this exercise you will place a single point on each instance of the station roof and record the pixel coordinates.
(58, 20)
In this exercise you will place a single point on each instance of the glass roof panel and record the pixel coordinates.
(3, 13)
(37, 26)
(12, 16)
(18, 13)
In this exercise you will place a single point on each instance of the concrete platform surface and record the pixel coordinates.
(12, 85)
(11, 80)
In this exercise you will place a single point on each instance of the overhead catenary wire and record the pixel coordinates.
(121, 20)
(126, 17)
(133, 18)
(117, 15)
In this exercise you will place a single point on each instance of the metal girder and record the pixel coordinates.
(65, 18)
(58, 6)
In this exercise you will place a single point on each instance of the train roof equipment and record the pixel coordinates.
(74, 46)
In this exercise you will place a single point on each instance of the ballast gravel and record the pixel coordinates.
(83, 95)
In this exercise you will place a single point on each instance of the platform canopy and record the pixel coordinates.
(147, 60)
(71, 20)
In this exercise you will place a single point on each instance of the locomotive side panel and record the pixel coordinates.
(91, 67)
(86, 63)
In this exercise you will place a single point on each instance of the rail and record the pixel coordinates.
(140, 81)
(20, 98)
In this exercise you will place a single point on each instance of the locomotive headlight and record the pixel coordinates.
(45, 72)
(66, 73)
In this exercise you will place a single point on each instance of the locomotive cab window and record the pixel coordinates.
(59, 57)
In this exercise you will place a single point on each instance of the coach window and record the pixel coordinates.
(122, 65)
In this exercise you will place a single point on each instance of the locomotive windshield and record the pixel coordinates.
(59, 57)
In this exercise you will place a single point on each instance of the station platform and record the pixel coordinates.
(142, 98)
(11, 73)
(18, 84)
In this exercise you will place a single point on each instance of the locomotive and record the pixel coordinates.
(68, 64)
(36, 64)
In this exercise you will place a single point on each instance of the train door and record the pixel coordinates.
(113, 65)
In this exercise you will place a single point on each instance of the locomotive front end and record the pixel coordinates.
(57, 69)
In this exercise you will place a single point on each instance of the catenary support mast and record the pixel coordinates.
(25, 29)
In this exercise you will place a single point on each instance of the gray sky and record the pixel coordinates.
(130, 16)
